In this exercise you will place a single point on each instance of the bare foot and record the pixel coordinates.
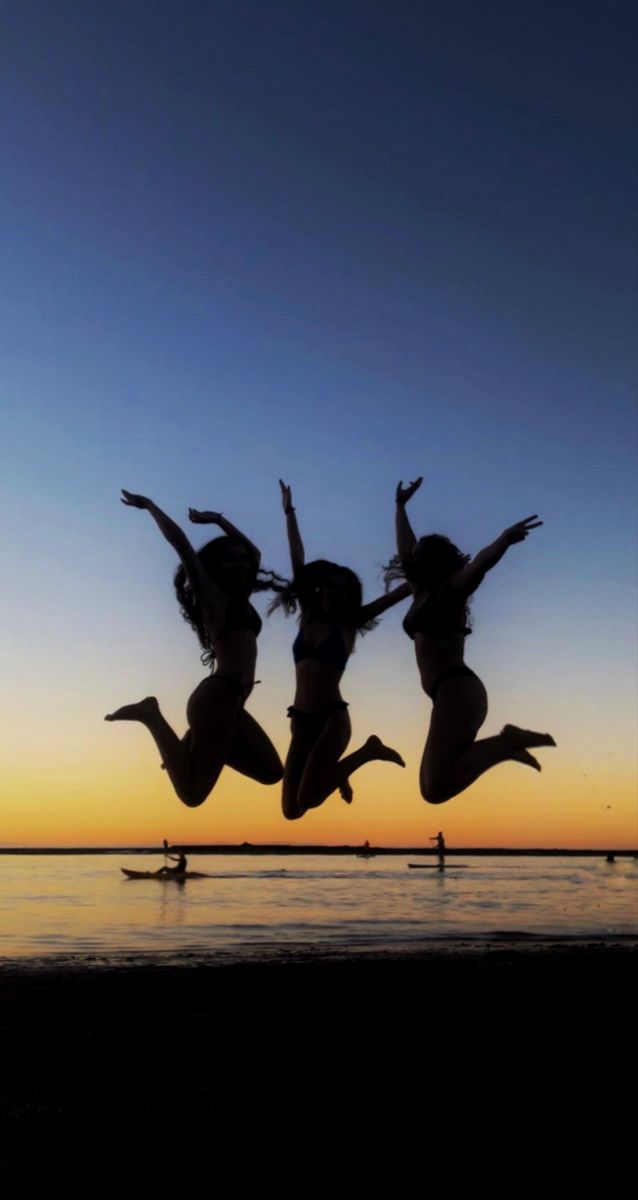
(521, 755)
(346, 792)
(143, 711)
(382, 752)
(526, 737)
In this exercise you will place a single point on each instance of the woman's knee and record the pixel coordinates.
(291, 810)
(434, 797)
(313, 792)
(194, 798)
(200, 787)
(433, 790)
(270, 773)
(296, 802)
(289, 805)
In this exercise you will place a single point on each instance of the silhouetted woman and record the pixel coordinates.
(332, 613)
(442, 579)
(213, 586)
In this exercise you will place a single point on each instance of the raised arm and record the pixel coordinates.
(295, 544)
(217, 518)
(374, 609)
(471, 575)
(406, 539)
(200, 582)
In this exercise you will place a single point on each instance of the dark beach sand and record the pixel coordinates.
(314, 1071)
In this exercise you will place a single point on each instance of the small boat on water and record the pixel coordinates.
(177, 876)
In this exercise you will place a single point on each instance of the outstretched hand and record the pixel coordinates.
(519, 531)
(286, 496)
(203, 518)
(405, 494)
(134, 501)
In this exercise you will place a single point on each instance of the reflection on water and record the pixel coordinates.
(83, 904)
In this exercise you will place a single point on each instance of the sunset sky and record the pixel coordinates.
(341, 242)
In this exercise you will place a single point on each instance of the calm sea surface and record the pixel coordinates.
(77, 904)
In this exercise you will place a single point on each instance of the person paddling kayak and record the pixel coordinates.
(180, 869)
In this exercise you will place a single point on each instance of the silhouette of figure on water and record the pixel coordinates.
(213, 586)
(442, 579)
(440, 846)
(330, 600)
(180, 869)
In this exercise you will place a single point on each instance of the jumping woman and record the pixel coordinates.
(442, 579)
(213, 586)
(332, 613)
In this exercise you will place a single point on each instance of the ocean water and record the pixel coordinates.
(254, 905)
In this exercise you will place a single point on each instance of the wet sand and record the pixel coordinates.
(322, 1070)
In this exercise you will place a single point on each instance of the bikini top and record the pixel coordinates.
(240, 614)
(441, 613)
(331, 651)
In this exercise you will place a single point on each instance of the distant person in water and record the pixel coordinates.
(330, 601)
(440, 846)
(442, 579)
(213, 587)
(180, 869)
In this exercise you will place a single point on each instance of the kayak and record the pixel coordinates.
(178, 876)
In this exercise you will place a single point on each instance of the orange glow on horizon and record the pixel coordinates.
(509, 808)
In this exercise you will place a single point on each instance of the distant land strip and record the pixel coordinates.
(283, 848)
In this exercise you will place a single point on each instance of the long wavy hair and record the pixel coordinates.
(434, 559)
(212, 557)
(304, 594)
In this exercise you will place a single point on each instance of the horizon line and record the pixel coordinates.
(314, 848)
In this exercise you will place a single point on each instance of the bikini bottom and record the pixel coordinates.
(314, 722)
(448, 673)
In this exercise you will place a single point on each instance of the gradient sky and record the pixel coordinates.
(344, 243)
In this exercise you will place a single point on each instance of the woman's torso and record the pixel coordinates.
(233, 635)
(437, 622)
(321, 651)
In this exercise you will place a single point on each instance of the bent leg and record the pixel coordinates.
(194, 763)
(314, 766)
(326, 771)
(372, 750)
(457, 715)
(321, 775)
(252, 753)
(213, 710)
(452, 759)
(172, 750)
(301, 743)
